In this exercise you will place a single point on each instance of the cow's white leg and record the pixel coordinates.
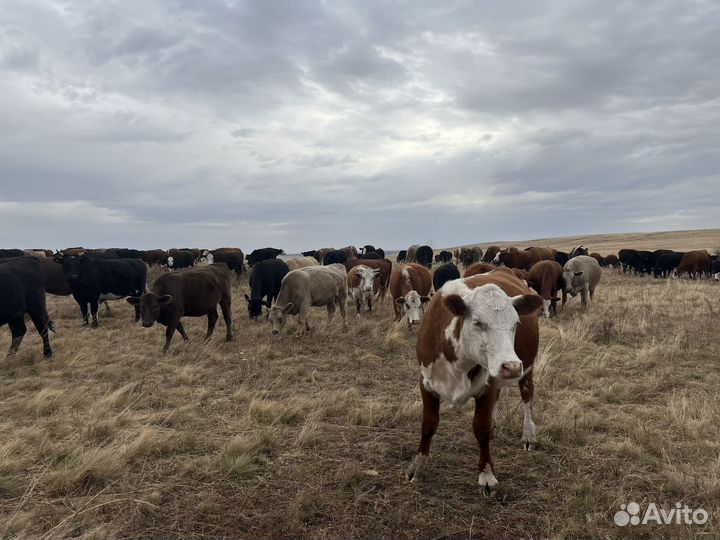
(487, 480)
(529, 437)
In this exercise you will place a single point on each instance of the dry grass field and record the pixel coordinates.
(310, 436)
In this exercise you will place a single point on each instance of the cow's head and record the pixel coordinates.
(574, 280)
(71, 264)
(367, 277)
(547, 303)
(255, 307)
(278, 317)
(414, 306)
(490, 319)
(150, 306)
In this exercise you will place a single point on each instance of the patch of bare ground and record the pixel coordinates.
(310, 436)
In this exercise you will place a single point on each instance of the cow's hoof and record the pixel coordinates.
(487, 482)
(415, 470)
(94, 325)
(48, 355)
(85, 323)
(529, 445)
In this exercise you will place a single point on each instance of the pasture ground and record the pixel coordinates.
(310, 436)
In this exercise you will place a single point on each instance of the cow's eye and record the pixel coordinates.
(479, 324)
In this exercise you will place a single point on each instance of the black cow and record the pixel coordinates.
(402, 255)
(630, 259)
(381, 252)
(124, 253)
(310, 253)
(262, 255)
(93, 279)
(233, 258)
(7, 253)
(182, 258)
(424, 256)
(445, 273)
(370, 255)
(335, 256)
(367, 248)
(561, 257)
(265, 283)
(715, 267)
(666, 263)
(22, 291)
(444, 256)
(192, 292)
(580, 250)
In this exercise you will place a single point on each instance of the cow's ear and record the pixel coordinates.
(424, 299)
(166, 299)
(527, 304)
(288, 307)
(133, 300)
(456, 305)
(578, 274)
(247, 297)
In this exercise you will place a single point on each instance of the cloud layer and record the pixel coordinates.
(310, 123)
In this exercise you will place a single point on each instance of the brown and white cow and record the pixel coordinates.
(490, 254)
(383, 278)
(513, 258)
(363, 286)
(478, 335)
(546, 277)
(478, 268)
(410, 286)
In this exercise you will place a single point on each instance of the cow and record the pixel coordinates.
(611, 261)
(370, 255)
(22, 291)
(546, 278)
(478, 268)
(715, 268)
(582, 275)
(54, 278)
(300, 262)
(40, 254)
(265, 281)
(411, 253)
(401, 256)
(383, 265)
(381, 252)
(630, 260)
(179, 259)
(694, 263)
(93, 279)
(153, 257)
(479, 334)
(307, 287)
(320, 254)
(363, 286)
(335, 256)
(125, 253)
(410, 286)
(666, 264)
(191, 292)
(366, 248)
(444, 256)
(262, 255)
(490, 254)
(515, 259)
(424, 256)
(233, 258)
(579, 250)
(470, 255)
(561, 257)
(540, 254)
(445, 273)
(310, 253)
(11, 253)
(599, 258)
(351, 252)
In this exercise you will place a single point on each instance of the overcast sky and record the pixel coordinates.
(304, 124)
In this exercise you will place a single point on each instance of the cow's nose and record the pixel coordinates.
(511, 370)
(147, 324)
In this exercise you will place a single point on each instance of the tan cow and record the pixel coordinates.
(478, 334)
(410, 286)
(301, 262)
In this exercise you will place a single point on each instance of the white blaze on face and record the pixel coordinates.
(488, 333)
(413, 306)
(367, 278)
(170, 262)
(496, 259)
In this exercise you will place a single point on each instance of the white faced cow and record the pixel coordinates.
(363, 286)
(478, 334)
(410, 286)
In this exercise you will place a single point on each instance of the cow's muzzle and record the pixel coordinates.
(147, 324)
(510, 370)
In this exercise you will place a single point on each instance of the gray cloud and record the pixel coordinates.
(311, 123)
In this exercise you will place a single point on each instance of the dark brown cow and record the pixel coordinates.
(694, 264)
(599, 258)
(191, 292)
(478, 268)
(540, 254)
(612, 260)
(410, 286)
(515, 259)
(383, 265)
(490, 254)
(153, 256)
(546, 277)
(479, 334)
(55, 281)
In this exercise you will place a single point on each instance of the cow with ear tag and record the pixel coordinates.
(582, 275)
(191, 292)
(410, 286)
(478, 334)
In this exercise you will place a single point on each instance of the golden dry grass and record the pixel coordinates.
(310, 436)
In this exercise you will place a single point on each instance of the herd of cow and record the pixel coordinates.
(477, 333)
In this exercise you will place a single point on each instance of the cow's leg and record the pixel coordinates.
(398, 310)
(584, 296)
(84, 311)
(181, 329)
(330, 311)
(42, 325)
(212, 320)
(94, 312)
(169, 331)
(482, 427)
(303, 325)
(227, 317)
(342, 304)
(358, 305)
(527, 391)
(17, 331)
(430, 421)
(592, 294)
